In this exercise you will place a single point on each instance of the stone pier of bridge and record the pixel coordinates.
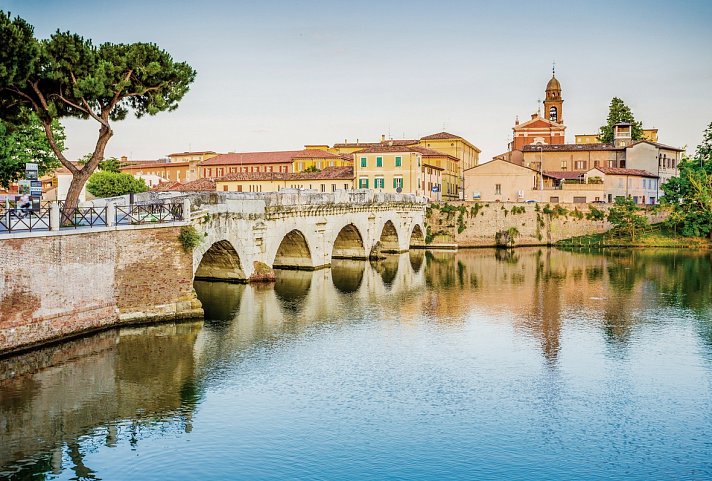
(246, 235)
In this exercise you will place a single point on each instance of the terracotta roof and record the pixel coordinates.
(371, 144)
(192, 153)
(315, 154)
(570, 147)
(346, 173)
(441, 136)
(166, 186)
(152, 164)
(378, 148)
(425, 152)
(278, 157)
(432, 166)
(657, 144)
(619, 171)
(564, 174)
(200, 185)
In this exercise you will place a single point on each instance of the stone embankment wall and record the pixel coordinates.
(475, 224)
(61, 284)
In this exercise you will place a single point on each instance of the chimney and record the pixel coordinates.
(535, 115)
(124, 158)
(383, 137)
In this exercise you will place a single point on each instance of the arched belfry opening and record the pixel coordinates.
(220, 263)
(389, 239)
(349, 244)
(417, 237)
(293, 253)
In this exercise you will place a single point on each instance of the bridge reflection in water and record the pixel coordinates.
(126, 387)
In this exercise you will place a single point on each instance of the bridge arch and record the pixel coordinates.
(389, 238)
(293, 252)
(220, 263)
(417, 237)
(349, 244)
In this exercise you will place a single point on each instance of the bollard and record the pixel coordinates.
(54, 216)
(110, 214)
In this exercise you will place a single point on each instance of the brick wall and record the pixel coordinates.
(56, 286)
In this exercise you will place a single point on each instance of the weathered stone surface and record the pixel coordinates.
(52, 287)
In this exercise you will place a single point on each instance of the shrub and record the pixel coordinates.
(189, 238)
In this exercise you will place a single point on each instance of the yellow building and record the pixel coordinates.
(648, 134)
(192, 156)
(329, 179)
(389, 168)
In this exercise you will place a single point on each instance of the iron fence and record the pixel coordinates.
(84, 217)
(149, 213)
(14, 219)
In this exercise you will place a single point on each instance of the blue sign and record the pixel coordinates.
(436, 188)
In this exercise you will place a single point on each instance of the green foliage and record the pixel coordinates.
(112, 184)
(26, 142)
(556, 211)
(690, 194)
(67, 76)
(618, 111)
(311, 168)
(595, 214)
(517, 209)
(112, 164)
(475, 209)
(595, 180)
(189, 237)
(506, 238)
(625, 218)
(577, 214)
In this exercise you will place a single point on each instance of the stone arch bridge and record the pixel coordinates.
(248, 234)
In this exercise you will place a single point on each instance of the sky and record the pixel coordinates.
(276, 75)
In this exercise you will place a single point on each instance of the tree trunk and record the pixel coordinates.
(72, 200)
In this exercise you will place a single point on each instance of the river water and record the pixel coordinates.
(530, 364)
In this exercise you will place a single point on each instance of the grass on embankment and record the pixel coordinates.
(654, 236)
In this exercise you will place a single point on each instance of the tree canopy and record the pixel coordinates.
(690, 194)
(67, 75)
(111, 184)
(625, 218)
(23, 143)
(618, 111)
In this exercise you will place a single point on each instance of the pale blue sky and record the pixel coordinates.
(274, 75)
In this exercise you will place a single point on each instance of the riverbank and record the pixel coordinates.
(656, 236)
(477, 224)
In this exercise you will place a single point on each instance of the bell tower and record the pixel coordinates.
(553, 105)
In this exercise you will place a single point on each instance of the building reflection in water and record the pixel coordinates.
(123, 384)
(52, 397)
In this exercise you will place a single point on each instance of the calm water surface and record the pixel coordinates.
(533, 364)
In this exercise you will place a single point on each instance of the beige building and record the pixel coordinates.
(502, 181)
(191, 156)
(329, 179)
(639, 185)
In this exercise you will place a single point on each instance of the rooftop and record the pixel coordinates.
(278, 157)
(329, 173)
(619, 171)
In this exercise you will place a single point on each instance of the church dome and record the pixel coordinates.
(553, 84)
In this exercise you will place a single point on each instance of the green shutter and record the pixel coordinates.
(363, 161)
(379, 161)
(398, 161)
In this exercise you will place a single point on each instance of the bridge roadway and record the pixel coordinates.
(246, 234)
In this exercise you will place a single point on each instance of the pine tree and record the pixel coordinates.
(620, 112)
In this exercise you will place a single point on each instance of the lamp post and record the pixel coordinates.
(541, 167)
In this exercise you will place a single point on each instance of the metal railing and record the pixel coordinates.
(84, 217)
(15, 219)
(149, 213)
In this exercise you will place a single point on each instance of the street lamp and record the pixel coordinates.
(541, 167)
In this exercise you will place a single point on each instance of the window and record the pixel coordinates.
(318, 164)
(301, 166)
(333, 187)
(379, 183)
(239, 188)
(579, 200)
(346, 186)
(595, 163)
(323, 187)
(397, 182)
(225, 188)
(497, 189)
(379, 161)
(580, 165)
(563, 164)
(331, 163)
(363, 162)
(554, 200)
(398, 161)
(363, 182)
